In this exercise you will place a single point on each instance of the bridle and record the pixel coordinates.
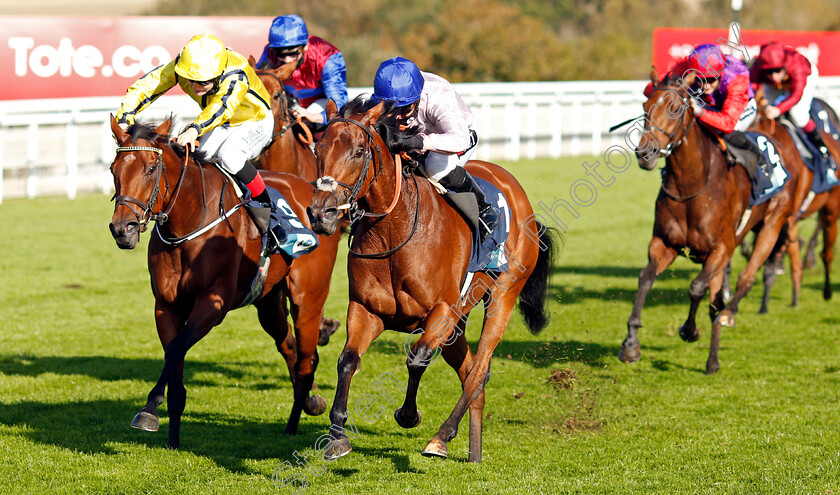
(328, 184)
(675, 142)
(281, 124)
(148, 214)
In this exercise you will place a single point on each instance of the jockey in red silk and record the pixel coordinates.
(723, 88)
(321, 73)
(438, 123)
(789, 79)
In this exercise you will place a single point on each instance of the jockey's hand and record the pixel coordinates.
(401, 142)
(695, 107)
(187, 138)
(771, 112)
(314, 117)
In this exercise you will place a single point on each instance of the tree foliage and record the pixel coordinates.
(512, 40)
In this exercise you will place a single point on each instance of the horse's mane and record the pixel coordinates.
(147, 131)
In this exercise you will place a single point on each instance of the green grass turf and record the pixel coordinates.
(79, 352)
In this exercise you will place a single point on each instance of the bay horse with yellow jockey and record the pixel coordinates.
(204, 257)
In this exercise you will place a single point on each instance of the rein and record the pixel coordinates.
(673, 144)
(285, 124)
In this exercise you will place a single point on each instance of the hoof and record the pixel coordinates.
(145, 421)
(689, 335)
(762, 310)
(726, 319)
(712, 368)
(827, 293)
(328, 327)
(630, 353)
(435, 448)
(410, 422)
(314, 405)
(337, 448)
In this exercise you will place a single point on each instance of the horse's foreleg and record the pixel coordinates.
(437, 330)
(205, 314)
(479, 373)
(829, 225)
(660, 257)
(362, 328)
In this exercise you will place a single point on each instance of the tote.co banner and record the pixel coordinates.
(63, 57)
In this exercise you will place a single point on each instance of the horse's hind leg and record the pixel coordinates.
(810, 259)
(660, 257)
(479, 373)
(828, 221)
(459, 357)
(713, 267)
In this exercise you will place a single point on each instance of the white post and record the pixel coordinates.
(597, 120)
(512, 121)
(107, 152)
(555, 124)
(31, 161)
(531, 131)
(72, 155)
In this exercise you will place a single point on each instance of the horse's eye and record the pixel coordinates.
(359, 153)
(277, 95)
(152, 169)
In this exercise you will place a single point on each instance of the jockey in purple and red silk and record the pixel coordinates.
(321, 73)
(789, 79)
(722, 84)
(429, 117)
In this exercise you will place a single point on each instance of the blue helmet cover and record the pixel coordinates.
(287, 30)
(397, 80)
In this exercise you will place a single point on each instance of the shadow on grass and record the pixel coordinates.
(545, 354)
(100, 426)
(109, 368)
(570, 293)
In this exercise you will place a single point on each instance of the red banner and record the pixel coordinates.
(671, 44)
(60, 57)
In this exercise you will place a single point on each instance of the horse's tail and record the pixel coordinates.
(533, 295)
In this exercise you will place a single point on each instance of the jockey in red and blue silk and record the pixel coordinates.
(321, 73)
(789, 79)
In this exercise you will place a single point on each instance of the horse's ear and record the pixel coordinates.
(120, 136)
(374, 113)
(252, 61)
(654, 75)
(331, 109)
(284, 71)
(164, 128)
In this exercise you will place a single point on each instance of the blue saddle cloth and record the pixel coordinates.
(819, 112)
(489, 256)
(299, 239)
(770, 176)
(825, 170)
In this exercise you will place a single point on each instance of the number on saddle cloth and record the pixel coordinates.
(771, 175)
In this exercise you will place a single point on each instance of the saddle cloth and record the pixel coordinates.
(771, 175)
(825, 171)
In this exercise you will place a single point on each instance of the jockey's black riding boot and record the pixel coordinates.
(740, 140)
(261, 214)
(817, 140)
(460, 181)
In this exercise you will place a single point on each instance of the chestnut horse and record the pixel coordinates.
(826, 203)
(286, 153)
(406, 264)
(204, 255)
(699, 210)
